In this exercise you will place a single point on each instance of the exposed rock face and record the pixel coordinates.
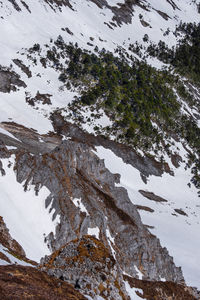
(76, 177)
(9, 80)
(88, 265)
(17, 282)
(84, 194)
(146, 165)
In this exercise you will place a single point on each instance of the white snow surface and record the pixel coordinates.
(132, 292)
(178, 233)
(25, 214)
(80, 205)
(94, 231)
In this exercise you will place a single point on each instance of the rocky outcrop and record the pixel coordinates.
(78, 179)
(17, 282)
(84, 193)
(88, 265)
(9, 80)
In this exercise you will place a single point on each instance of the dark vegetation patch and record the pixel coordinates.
(186, 56)
(132, 96)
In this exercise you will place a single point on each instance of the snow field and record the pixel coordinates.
(25, 214)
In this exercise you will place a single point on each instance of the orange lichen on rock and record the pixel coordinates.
(87, 264)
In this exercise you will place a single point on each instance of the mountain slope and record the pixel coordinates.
(89, 89)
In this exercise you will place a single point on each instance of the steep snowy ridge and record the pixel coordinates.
(71, 196)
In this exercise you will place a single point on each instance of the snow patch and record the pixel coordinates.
(80, 205)
(132, 292)
(94, 231)
(25, 214)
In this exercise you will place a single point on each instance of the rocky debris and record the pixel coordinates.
(9, 80)
(160, 290)
(152, 196)
(88, 265)
(18, 282)
(23, 67)
(13, 247)
(39, 98)
(73, 172)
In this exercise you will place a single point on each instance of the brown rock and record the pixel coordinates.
(18, 282)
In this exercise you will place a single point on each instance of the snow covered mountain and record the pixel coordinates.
(100, 146)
